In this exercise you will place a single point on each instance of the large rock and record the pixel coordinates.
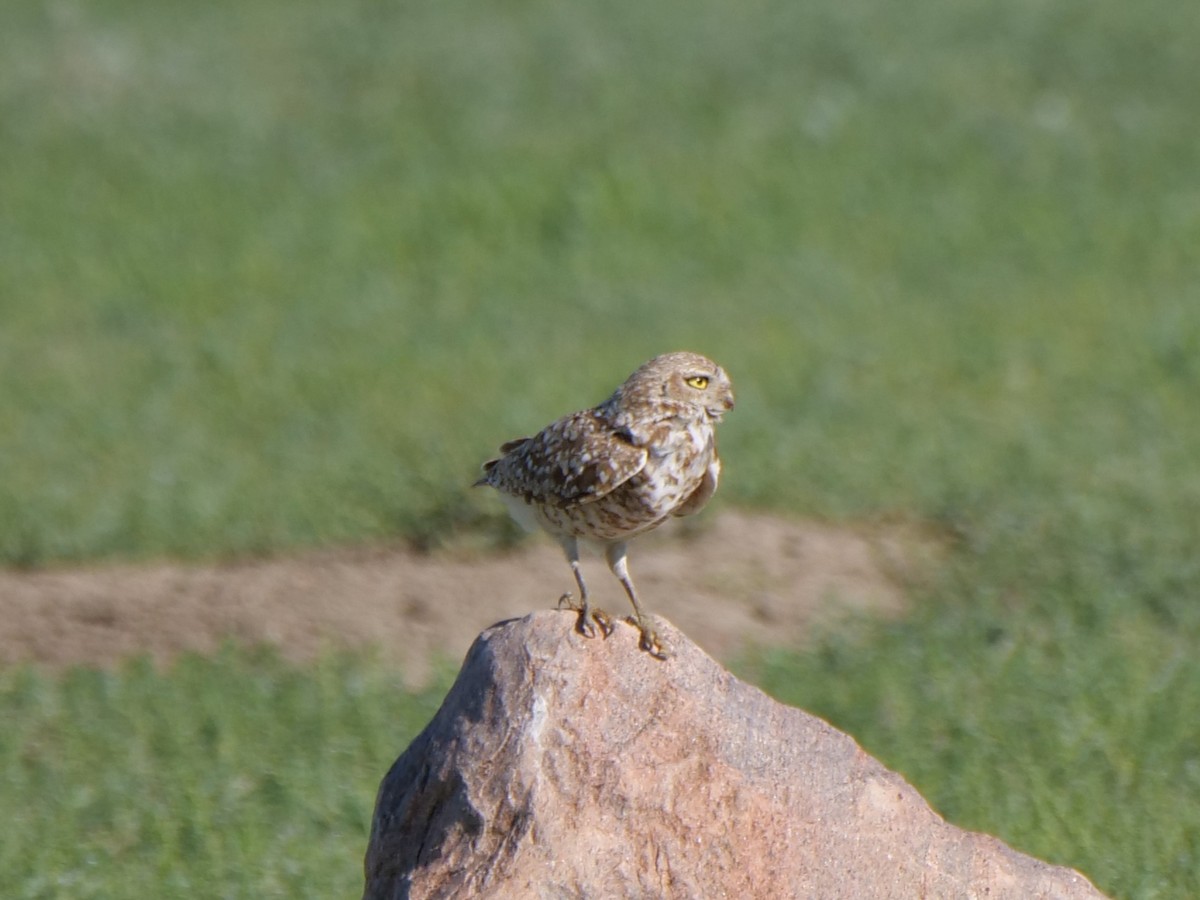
(565, 767)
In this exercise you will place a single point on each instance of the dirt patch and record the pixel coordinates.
(728, 581)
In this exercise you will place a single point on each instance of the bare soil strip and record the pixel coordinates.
(731, 580)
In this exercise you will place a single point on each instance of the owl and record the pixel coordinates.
(607, 474)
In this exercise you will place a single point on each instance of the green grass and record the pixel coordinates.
(277, 275)
(231, 777)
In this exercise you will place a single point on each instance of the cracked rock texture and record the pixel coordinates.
(560, 767)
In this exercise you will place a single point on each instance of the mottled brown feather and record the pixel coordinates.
(576, 459)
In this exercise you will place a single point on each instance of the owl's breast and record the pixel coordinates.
(676, 466)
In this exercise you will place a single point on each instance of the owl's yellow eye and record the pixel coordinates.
(699, 382)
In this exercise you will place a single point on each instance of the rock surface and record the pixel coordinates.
(565, 767)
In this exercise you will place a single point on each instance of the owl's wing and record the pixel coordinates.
(578, 459)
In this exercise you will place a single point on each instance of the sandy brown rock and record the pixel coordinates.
(565, 767)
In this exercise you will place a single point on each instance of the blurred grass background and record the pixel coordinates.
(277, 275)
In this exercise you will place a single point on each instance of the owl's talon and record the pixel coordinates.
(652, 645)
(586, 616)
(649, 640)
(604, 620)
(584, 626)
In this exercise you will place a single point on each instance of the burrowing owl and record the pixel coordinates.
(606, 474)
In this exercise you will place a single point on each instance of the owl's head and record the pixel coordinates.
(683, 380)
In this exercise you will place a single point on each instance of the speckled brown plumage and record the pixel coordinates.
(610, 473)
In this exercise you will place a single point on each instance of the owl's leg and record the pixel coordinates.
(586, 613)
(615, 554)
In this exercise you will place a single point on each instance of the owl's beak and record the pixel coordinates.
(726, 406)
